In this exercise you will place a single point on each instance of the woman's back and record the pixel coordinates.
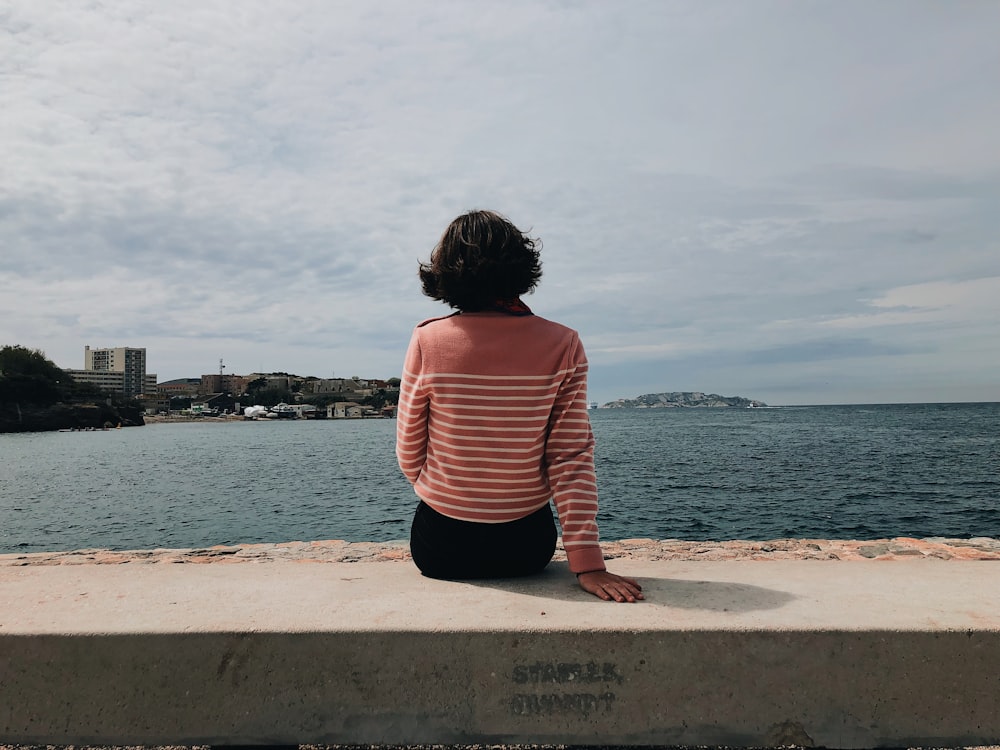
(493, 420)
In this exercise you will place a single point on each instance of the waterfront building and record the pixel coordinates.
(120, 370)
(180, 387)
(220, 383)
(345, 410)
(272, 380)
(348, 387)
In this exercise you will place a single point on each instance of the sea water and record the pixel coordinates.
(859, 472)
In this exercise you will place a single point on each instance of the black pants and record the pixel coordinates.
(444, 547)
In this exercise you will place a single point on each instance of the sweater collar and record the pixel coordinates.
(510, 306)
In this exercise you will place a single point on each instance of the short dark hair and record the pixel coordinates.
(481, 258)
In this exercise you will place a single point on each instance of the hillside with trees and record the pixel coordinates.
(36, 395)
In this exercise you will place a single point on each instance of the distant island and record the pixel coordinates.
(681, 399)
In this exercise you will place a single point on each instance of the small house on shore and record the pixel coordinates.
(345, 410)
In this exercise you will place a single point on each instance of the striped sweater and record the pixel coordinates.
(492, 424)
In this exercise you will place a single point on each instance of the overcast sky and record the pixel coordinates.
(797, 202)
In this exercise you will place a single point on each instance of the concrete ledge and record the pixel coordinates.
(888, 653)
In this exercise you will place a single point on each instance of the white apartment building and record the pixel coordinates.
(122, 369)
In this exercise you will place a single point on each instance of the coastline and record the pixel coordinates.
(338, 551)
(178, 418)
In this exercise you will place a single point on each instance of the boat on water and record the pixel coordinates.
(592, 405)
(283, 411)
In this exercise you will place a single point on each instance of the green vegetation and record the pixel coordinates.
(377, 400)
(27, 376)
(259, 392)
(35, 394)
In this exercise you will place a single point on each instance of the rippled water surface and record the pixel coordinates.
(857, 472)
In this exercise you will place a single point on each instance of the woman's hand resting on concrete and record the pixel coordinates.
(610, 587)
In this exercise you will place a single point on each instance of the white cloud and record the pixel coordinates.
(713, 182)
(957, 303)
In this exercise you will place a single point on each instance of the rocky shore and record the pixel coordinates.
(32, 418)
(336, 551)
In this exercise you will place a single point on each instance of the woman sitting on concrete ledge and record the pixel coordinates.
(492, 421)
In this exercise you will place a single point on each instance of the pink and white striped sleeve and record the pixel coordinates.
(411, 416)
(569, 455)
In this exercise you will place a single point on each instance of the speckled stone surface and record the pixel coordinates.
(177, 591)
(336, 551)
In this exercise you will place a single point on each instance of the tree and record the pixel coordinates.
(178, 403)
(272, 396)
(35, 394)
(258, 384)
(19, 360)
(26, 375)
(323, 400)
(376, 400)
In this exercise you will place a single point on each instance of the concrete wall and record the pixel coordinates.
(852, 655)
(746, 689)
